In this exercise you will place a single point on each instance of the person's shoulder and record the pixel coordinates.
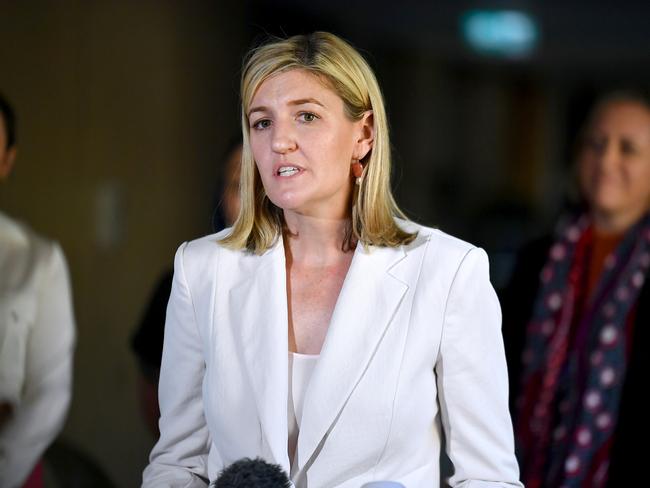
(25, 248)
(208, 252)
(529, 261)
(536, 248)
(20, 236)
(438, 241)
(444, 254)
(206, 245)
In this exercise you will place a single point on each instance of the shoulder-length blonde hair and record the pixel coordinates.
(333, 60)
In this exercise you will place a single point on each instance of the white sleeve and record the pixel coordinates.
(45, 398)
(179, 458)
(473, 383)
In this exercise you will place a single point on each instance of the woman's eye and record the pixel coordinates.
(596, 144)
(627, 147)
(308, 116)
(261, 124)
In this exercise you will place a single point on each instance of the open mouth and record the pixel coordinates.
(288, 171)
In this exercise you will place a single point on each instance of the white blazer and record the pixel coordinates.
(37, 335)
(413, 354)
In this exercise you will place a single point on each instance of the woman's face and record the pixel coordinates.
(303, 144)
(614, 163)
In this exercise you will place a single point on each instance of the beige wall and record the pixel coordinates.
(124, 108)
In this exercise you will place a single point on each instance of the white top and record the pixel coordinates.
(301, 367)
(36, 345)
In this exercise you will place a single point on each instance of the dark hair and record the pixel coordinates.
(636, 95)
(9, 117)
(252, 473)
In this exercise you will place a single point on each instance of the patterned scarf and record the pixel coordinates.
(575, 358)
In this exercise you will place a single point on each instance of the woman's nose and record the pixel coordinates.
(609, 155)
(284, 140)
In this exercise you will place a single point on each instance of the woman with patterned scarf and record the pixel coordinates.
(576, 315)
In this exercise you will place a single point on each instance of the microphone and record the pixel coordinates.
(252, 473)
(383, 484)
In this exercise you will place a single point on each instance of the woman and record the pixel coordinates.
(37, 335)
(321, 333)
(578, 388)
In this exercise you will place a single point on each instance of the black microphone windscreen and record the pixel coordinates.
(252, 473)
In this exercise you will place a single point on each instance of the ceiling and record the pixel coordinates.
(574, 35)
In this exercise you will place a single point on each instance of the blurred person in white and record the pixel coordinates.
(37, 335)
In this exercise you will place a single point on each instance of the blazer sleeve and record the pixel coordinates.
(179, 458)
(473, 382)
(45, 398)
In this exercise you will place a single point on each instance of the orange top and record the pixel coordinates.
(602, 246)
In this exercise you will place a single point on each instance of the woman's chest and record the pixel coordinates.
(312, 295)
(371, 372)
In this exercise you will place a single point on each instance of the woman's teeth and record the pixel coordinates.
(287, 171)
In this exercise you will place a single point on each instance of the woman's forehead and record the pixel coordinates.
(623, 116)
(294, 84)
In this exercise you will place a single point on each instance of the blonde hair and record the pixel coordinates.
(333, 60)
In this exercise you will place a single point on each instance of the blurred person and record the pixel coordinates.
(230, 201)
(324, 332)
(576, 315)
(37, 334)
(147, 340)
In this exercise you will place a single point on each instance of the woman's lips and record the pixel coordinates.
(287, 171)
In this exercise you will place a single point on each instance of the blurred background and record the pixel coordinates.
(126, 107)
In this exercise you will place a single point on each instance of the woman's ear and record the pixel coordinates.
(366, 135)
(7, 163)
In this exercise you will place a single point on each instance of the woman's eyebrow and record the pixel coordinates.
(257, 109)
(300, 101)
(303, 101)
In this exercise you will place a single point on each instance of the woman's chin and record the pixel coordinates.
(607, 202)
(290, 202)
(616, 218)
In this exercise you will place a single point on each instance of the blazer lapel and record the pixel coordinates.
(259, 313)
(367, 302)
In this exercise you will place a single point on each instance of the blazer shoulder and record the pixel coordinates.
(444, 254)
(207, 253)
(439, 243)
(200, 254)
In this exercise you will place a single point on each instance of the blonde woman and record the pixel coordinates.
(323, 332)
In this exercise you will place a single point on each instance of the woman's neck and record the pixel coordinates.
(315, 241)
(610, 223)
